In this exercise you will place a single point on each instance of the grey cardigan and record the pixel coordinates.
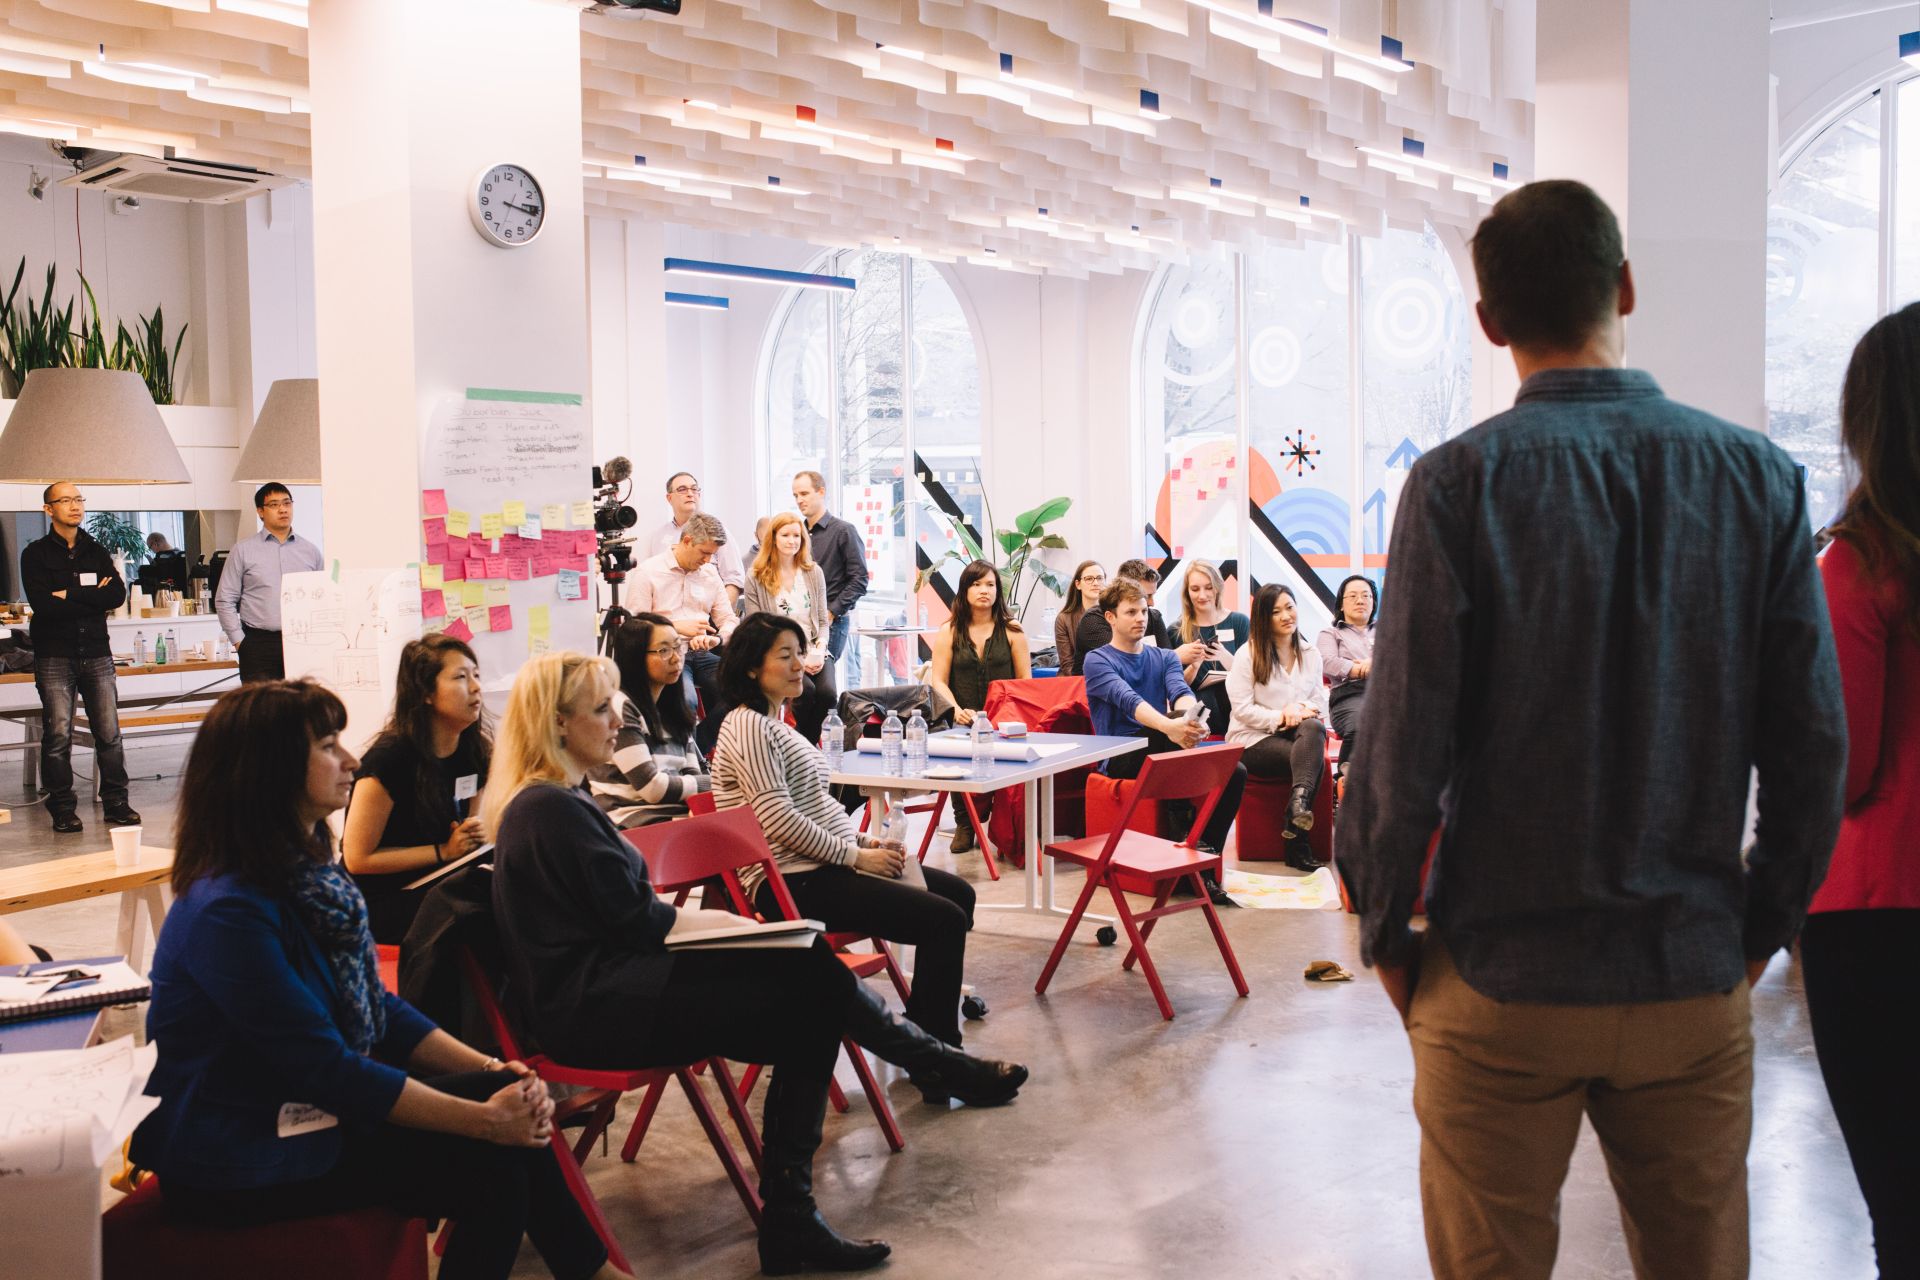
(759, 598)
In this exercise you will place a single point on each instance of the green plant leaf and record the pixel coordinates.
(1053, 542)
(1050, 510)
(1009, 540)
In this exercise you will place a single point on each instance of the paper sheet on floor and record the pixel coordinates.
(1315, 892)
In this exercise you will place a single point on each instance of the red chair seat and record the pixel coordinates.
(139, 1240)
(1260, 828)
(1147, 857)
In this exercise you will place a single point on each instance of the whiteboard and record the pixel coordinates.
(490, 452)
(347, 633)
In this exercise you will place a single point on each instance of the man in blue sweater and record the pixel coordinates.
(1135, 689)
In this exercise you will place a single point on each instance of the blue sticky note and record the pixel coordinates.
(567, 584)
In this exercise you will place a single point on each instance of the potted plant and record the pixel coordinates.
(1021, 570)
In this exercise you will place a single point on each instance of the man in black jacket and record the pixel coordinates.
(72, 585)
(838, 550)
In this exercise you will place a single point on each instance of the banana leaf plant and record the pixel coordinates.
(1017, 549)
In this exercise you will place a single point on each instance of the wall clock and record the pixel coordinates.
(507, 206)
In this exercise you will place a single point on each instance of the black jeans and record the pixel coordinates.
(934, 921)
(1344, 706)
(1159, 744)
(62, 682)
(703, 668)
(1857, 966)
(1298, 754)
(493, 1194)
(261, 655)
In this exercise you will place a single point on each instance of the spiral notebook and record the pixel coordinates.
(67, 986)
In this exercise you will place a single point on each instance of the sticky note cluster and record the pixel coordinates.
(473, 557)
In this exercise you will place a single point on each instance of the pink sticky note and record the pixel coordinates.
(455, 570)
(433, 604)
(434, 502)
(435, 529)
(458, 629)
(516, 569)
(496, 567)
(500, 617)
(436, 553)
(576, 563)
(541, 566)
(478, 545)
(583, 542)
(512, 544)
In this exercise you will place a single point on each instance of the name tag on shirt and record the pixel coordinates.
(466, 786)
(297, 1118)
(89, 579)
(1223, 637)
(1152, 642)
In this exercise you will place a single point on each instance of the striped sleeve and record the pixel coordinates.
(748, 756)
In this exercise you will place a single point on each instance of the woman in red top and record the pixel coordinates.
(1863, 930)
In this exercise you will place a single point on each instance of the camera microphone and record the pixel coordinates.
(617, 470)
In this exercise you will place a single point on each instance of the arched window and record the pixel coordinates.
(1829, 277)
(879, 391)
(1284, 393)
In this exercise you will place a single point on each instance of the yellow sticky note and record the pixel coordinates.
(515, 512)
(539, 629)
(491, 525)
(472, 594)
(459, 524)
(554, 515)
(497, 593)
(583, 514)
(432, 576)
(477, 620)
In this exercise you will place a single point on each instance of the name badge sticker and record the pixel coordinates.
(1223, 637)
(297, 1118)
(1152, 642)
(466, 786)
(89, 579)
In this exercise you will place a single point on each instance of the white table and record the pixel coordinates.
(1035, 777)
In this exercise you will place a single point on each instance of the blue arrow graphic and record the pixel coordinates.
(1378, 505)
(1404, 453)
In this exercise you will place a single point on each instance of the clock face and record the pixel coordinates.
(507, 205)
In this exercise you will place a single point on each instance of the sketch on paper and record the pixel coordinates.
(348, 634)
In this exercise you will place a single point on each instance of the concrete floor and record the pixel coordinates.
(1268, 1137)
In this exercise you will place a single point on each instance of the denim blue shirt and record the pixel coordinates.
(1606, 615)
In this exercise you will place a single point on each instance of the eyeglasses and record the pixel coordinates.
(68, 502)
(663, 651)
(282, 504)
(1358, 595)
(684, 489)
(1092, 579)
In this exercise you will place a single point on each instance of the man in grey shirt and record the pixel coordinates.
(1607, 616)
(248, 600)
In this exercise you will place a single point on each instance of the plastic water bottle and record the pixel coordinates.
(917, 744)
(893, 827)
(173, 644)
(833, 738)
(226, 646)
(982, 742)
(890, 737)
(140, 648)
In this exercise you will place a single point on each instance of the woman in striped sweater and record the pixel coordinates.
(655, 764)
(846, 880)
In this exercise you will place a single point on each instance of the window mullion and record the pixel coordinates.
(1889, 192)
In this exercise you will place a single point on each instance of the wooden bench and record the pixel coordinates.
(95, 875)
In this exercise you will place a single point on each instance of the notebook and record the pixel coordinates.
(67, 986)
(749, 934)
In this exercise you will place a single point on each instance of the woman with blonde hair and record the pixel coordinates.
(585, 936)
(785, 582)
(1209, 637)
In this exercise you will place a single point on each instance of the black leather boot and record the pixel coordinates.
(793, 1235)
(937, 1069)
(1300, 810)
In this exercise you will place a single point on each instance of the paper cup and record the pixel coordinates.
(126, 846)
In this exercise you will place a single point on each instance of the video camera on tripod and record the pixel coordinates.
(612, 517)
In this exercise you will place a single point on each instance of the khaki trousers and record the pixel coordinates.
(1499, 1089)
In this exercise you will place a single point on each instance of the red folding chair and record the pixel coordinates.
(697, 849)
(1184, 775)
(603, 1091)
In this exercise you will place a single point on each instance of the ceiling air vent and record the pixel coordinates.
(190, 181)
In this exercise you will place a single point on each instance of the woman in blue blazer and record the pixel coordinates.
(291, 1083)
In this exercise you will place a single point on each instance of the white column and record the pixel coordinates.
(1663, 109)
(412, 99)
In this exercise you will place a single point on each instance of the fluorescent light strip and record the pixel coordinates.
(696, 301)
(758, 275)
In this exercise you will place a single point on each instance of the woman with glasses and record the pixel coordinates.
(1083, 594)
(787, 583)
(1095, 632)
(1346, 655)
(655, 764)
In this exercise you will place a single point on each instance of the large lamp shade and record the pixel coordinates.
(285, 444)
(90, 426)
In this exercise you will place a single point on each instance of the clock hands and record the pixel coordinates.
(533, 210)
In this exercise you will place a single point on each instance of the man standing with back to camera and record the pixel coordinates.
(1609, 614)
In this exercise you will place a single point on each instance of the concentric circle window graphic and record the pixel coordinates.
(1409, 320)
(1273, 357)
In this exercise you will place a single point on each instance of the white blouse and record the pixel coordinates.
(1256, 708)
